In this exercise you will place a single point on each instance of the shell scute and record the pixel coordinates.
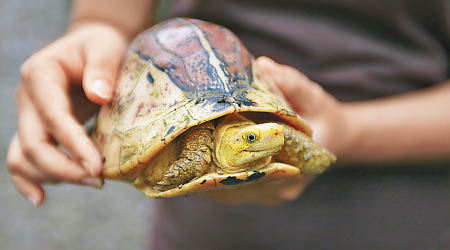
(178, 74)
(235, 57)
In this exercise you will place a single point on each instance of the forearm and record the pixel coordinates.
(410, 127)
(129, 16)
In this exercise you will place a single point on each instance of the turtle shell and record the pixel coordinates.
(178, 74)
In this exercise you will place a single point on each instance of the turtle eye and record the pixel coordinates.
(250, 137)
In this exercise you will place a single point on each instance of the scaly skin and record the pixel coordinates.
(233, 153)
(194, 159)
(301, 151)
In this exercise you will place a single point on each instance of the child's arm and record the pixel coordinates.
(412, 127)
(130, 17)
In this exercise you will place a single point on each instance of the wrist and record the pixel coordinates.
(79, 24)
(351, 128)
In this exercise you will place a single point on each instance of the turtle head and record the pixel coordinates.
(243, 145)
(255, 142)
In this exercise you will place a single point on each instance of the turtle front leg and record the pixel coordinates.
(194, 159)
(301, 151)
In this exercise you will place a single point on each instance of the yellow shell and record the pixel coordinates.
(176, 75)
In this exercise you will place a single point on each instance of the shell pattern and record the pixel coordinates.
(176, 75)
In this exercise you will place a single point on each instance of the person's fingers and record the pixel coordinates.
(267, 193)
(303, 94)
(17, 164)
(47, 86)
(256, 194)
(103, 62)
(294, 187)
(41, 153)
(29, 189)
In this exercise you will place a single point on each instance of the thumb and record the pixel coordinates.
(304, 95)
(101, 71)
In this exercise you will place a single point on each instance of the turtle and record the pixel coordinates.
(191, 112)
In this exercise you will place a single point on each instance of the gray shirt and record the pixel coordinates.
(357, 50)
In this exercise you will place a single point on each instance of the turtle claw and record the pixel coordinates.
(161, 183)
(158, 188)
(169, 175)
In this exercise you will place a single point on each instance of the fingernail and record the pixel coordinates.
(101, 89)
(93, 182)
(33, 201)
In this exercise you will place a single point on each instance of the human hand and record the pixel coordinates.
(52, 105)
(322, 112)
(262, 192)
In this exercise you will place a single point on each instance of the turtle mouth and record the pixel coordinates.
(274, 151)
(254, 154)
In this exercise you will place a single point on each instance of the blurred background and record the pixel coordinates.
(72, 217)
(120, 217)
